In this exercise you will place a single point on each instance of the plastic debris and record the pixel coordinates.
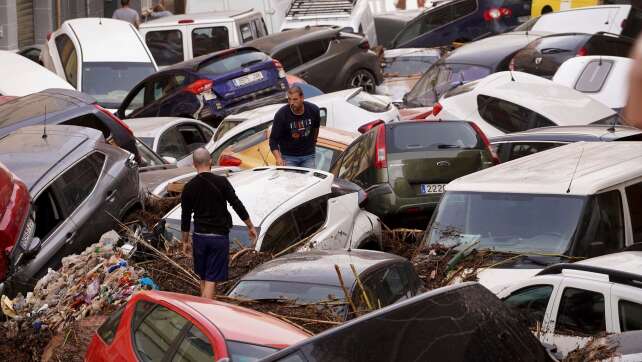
(147, 283)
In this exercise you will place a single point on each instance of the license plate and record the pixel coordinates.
(247, 79)
(432, 188)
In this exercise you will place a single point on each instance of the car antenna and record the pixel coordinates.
(512, 78)
(44, 128)
(612, 128)
(574, 171)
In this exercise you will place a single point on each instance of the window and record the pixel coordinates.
(387, 285)
(207, 133)
(593, 76)
(357, 161)
(217, 152)
(532, 302)
(110, 82)
(261, 29)
(138, 101)
(240, 351)
(107, 331)
(192, 136)
(232, 61)
(313, 49)
(156, 332)
(246, 33)
(509, 117)
(167, 85)
(68, 58)
(463, 8)
(48, 213)
(634, 199)
(171, 144)
(323, 116)
(226, 125)
(630, 316)
(75, 184)
(147, 156)
(194, 347)
(581, 313)
(604, 231)
(166, 46)
(521, 149)
(281, 234)
(431, 136)
(311, 215)
(324, 157)
(289, 58)
(209, 40)
(609, 45)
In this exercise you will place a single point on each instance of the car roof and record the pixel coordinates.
(560, 104)
(234, 322)
(626, 261)
(601, 165)
(570, 134)
(317, 266)
(30, 156)
(411, 52)
(198, 18)
(153, 126)
(337, 135)
(284, 39)
(194, 63)
(21, 76)
(99, 37)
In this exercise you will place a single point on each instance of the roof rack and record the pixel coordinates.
(615, 276)
(300, 8)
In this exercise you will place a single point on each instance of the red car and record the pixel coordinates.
(163, 326)
(14, 212)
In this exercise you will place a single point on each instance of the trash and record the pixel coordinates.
(147, 283)
(121, 264)
(7, 307)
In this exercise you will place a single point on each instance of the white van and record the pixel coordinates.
(273, 10)
(104, 58)
(575, 201)
(177, 38)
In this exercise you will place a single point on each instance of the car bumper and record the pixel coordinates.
(383, 201)
(221, 108)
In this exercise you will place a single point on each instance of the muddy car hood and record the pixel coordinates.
(465, 322)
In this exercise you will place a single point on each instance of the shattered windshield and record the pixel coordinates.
(527, 223)
(407, 66)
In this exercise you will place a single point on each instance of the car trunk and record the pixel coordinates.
(544, 56)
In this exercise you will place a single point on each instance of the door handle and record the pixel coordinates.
(70, 237)
(111, 195)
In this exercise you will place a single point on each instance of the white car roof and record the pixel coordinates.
(337, 135)
(108, 40)
(602, 165)
(560, 104)
(263, 190)
(20, 76)
(626, 261)
(153, 126)
(198, 18)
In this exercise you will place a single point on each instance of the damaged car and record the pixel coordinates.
(293, 207)
(80, 187)
(403, 67)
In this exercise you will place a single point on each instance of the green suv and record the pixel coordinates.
(404, 166)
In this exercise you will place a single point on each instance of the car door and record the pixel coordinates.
(337, 230)
(134, 102)
(627, 308)
(171, 144)
(314, 68)
(535, 300)
(192, 136)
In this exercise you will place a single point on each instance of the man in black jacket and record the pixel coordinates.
(294, 131)
(206, 196)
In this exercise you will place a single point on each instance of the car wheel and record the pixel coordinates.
(364, 79)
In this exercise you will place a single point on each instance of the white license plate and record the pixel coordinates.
(247, 79)
(432, 188)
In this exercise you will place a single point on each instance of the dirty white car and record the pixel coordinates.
(402, 68)
(573, 302)
(297, 207)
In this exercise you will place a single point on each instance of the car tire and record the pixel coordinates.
(364, 79)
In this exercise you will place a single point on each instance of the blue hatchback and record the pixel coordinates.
(209, 87)
(462, 21)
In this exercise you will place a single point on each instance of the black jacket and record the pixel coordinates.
(294, 135)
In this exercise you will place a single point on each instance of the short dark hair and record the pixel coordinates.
(124, 2)
(295, 89)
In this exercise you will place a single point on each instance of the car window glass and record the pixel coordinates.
(246, 32)
(532, 302)
(48, 213)
(509, 117)
(604, 231)
(167, 85)
(463, 8)
(209, 40)
(75, 184)
(580, 313)
(171, 144)
(226, 125)
(408, 66)
(357, 163)
(91, 121)
(385, 286)
(192, 136)
(609, 45)
(107, 331)
(68, 58)
(261, 29)
(289, 58)
(323, 116)
(217, 152)
(521, 149)
(426, 22)
(630, 315)
(207, 133)
(425, 136)
(147, 156)
(166, 46)
(324, 157)
(593, 76)
(194, 347)
(232, 61)
(311, 215)
(137, 101)
(282, 233)
(110, 82)
(634, 199)
(157, 332)
(246, 352)
(313, 49)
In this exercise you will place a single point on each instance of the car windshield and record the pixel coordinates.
(246, 352)
(407, 66)
(368, 102)
(110, 82)
(506, 222)
(303, 293)
(225, 126)
(441, 78)
(232, 61)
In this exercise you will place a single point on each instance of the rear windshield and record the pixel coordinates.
(225, 126)
(408, 66)
(33, 105)
(368, 102)
(110, 82)
(561, 44)
(232, 61)
(572, 21)
(166, 46)
(426, 136)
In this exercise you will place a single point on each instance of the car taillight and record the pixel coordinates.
(364, 44)
(436, 109)
(200, 86)
(370, 125)
(227, 160)
(186, 21)
(114, 118)
(484, 139)
(380, 148)
(582, 52)
(496, 13)
(279, 68)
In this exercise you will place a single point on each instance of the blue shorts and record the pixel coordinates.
(211, 254)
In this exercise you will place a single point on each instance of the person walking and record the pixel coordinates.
(127, 14)
(294, 131)
(206, 196)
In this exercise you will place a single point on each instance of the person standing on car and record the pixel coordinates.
(206, 196)
(127, 14)
(294, 131)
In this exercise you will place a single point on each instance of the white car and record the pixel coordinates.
(104, 58)
(573, 302)
(171, 137)
(348, 109)
(604, 78)
(355, 15)
(402, 68)
(615, 19)
(20, 76)
(507, 102)
(290, 204)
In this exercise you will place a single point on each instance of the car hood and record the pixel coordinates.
(496, 279)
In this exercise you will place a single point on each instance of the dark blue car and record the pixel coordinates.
(462, 21)
(208, 87)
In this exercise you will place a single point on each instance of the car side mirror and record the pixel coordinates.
(597, 248)
(34, 246)
(170, 159)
